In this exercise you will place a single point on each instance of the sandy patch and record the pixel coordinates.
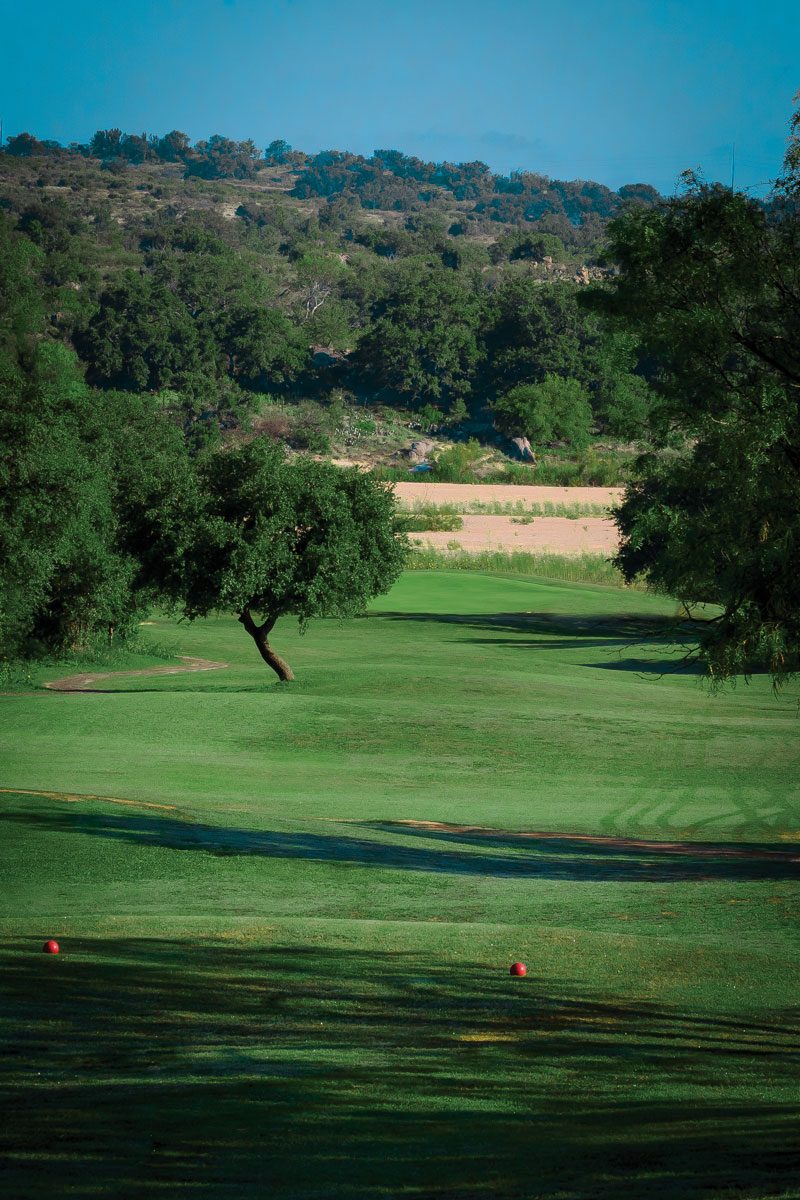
(83, 683)
(559, 535)
(80, 798)
(424, 492)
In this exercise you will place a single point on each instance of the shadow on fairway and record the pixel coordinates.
(612, 628)
(547, 631)
(135, 1067)
(666, 666)
(449, 851)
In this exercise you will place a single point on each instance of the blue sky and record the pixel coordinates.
(614, 90)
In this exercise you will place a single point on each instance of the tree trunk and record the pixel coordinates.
(260, 634)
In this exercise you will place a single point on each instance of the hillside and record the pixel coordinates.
(346, 305)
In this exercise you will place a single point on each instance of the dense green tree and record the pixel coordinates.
(142, 338)
(222, 158)
(556, 409)
(74, 466)
(173, 146)
(276, 151)
(260, 345)
(424, 340)
(710, 287)
(138, 147)
(532, 330)
(264, 537)
(50, 223)
(518, 244)
(106, 143)
(621, 396)
(195, 317)
(226, 298)
(318, 274)
(334, 325)
(22, 302)
(25, 145)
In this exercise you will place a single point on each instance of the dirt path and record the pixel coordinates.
(82, 683)
(82, 798)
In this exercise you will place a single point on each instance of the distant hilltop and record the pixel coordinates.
(389, 180)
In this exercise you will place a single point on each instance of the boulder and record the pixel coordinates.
(524, 449)
(420, 450)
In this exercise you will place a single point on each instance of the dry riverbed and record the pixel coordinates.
(426, 492)
(494, 531)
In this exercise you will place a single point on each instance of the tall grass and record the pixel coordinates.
(398, 475)
(503, 508)
(579, 568)
(428, 518)
(589, 468)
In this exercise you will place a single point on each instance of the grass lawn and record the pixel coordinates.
(284, 966)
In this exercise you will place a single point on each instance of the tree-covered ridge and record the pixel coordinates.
(197, 273)
(388, 179)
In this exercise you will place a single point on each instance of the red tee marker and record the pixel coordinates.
(518, 969)
(50, 947)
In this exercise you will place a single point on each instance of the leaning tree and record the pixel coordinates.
(253, 533)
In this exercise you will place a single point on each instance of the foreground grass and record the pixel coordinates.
(267, 985)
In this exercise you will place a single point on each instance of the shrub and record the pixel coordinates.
(555, 409)
(317, 442)
(272, 424)
(431, 520)
(310, 426)
(455, 465)
(600, 470)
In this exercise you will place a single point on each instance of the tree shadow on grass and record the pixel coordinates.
(135, 1066)
(443, 851)
(616, 631)
(645, 666)
(622, 627)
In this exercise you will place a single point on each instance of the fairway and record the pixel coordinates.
(287, 912)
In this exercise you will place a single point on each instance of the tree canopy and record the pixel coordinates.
(555, 409)
(74, 467)
(710, 287)
(260, 536)
(424, 340)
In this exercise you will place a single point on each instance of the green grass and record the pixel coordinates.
(269, 987)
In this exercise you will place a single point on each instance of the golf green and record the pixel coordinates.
(287, 912)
